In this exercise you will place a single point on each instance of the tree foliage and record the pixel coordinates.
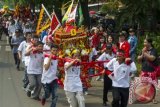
(142, 12)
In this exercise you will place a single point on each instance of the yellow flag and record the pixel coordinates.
(65, 17)
(40, 26)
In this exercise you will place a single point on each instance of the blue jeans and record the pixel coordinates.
(51, 88)
(133, 56)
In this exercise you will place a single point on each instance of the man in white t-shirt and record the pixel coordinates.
(107, 55)
(26, 28)
(72, 82)
(49, 76)
(34, 69)
(25, 59)
(120, 78)
(47, 45)
(11, 30)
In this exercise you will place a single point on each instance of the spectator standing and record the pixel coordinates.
(148, 59)
(123, 44)
(110, 40)
(95, 39)
(132, 40)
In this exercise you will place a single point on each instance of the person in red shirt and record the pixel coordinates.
(102, 43)
(111, 40)
(123, 44)
(95, 39)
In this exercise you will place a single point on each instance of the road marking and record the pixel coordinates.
(9, 78)
(8, 48)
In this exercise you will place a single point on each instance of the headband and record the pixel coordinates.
(120, 54)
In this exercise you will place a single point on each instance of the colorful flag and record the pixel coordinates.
(55, 24)
(65, 17)
(43, 23)
(39, 20)
(72, 15)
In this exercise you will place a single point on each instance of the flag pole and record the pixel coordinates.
(77, 10)
(47, 12)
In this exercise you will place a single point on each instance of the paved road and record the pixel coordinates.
(12, 94)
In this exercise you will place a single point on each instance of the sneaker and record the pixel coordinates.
(18, 69)
(37, 98)
(25, 85)
(98, 78)
(102, 80)
(85, 93)
(29, 93)
(43, 101)
(105, 104)
(24, 89)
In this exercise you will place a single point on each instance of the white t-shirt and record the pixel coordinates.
(26, 62)
(27, 30)
(105, 56)
(72, 81)
(121, 77)
(46, 47)
(35, 65)
(22, 47)
(44, 39)
(27, 58)
(11, 30)
(51, 74)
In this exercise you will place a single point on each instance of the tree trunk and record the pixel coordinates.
(85, 11)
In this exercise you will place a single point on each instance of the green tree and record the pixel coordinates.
(145, 13)
(111, 7)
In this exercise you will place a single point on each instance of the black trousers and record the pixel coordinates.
(9, 39)
(106, 87)
(1, 33)
(17, 60)
(5, 30)
(120, 97)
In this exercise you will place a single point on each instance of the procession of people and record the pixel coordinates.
(40, 58)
